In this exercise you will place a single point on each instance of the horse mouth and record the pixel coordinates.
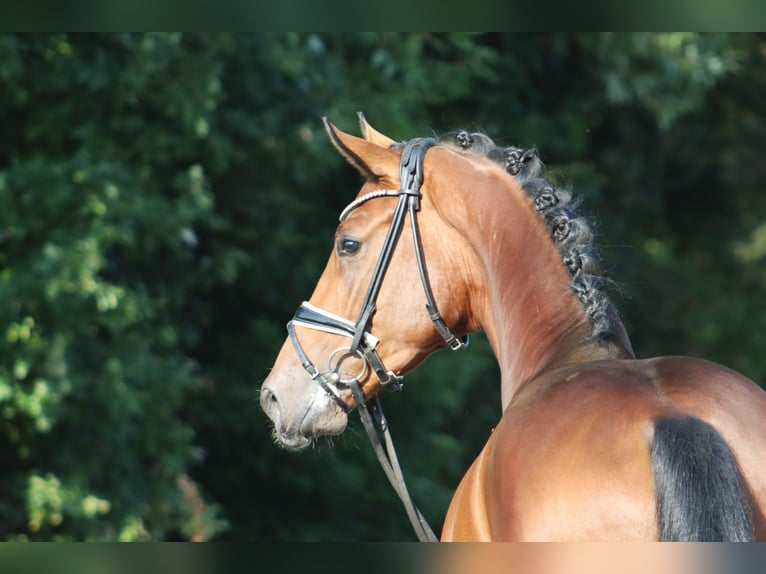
(291, 441)
(305, 435)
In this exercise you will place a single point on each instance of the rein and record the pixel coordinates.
(363, 343)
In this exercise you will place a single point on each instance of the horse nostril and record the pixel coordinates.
(269, 402)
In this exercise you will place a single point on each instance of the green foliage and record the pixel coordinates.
(166, 200)
(98, 211)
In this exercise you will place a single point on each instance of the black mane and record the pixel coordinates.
(571, 234)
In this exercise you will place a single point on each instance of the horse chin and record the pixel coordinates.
(293, 442)
(321, 422)
(299, 441)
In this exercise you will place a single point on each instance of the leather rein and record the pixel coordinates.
(363, 343)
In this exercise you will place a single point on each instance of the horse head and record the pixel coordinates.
(377, 310)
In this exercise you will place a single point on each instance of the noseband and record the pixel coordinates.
(363, 343)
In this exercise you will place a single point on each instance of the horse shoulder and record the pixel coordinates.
(570, 460)
(466, 519)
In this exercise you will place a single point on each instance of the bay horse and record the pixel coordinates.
(593, 444)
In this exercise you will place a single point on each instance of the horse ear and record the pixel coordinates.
(373, 135)
(369, 158)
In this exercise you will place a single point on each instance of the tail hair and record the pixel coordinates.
(697, 484)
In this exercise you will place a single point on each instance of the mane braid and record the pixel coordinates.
(571, 233)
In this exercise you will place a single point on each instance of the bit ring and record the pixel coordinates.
(335, 376)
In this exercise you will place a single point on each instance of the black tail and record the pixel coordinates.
(696, 481)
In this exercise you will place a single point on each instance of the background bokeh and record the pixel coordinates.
(166, 201)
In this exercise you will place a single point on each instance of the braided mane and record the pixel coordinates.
(571, 234)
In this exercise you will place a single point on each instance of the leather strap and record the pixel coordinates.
(375, 422)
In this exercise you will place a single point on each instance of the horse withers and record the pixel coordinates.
(593, 444)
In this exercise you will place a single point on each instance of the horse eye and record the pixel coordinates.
(348, 247)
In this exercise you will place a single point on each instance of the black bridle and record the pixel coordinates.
(363, 343)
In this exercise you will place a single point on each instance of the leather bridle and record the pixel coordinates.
(363, 344)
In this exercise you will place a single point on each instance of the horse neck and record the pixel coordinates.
(521, 297)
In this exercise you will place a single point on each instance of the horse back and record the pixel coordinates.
(571, 456)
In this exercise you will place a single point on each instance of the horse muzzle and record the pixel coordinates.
(300, 418)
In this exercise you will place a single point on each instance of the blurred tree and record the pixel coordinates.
(102, 196)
